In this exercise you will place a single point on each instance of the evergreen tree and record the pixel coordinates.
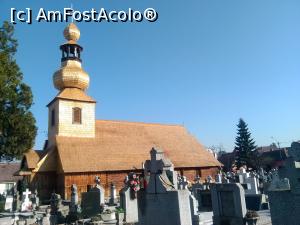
(244, 146)
(17, 124)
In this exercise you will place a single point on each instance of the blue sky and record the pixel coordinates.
(203, 63)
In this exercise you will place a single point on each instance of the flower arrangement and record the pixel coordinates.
(134, 184)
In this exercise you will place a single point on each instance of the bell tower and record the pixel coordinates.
(72, 111)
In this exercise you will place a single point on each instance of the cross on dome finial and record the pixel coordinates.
(72, 33)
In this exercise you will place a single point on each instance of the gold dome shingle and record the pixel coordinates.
(72, 33)
(71, 74)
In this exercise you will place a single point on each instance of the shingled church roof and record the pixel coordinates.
(126, 145)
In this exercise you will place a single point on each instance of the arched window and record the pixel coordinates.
(77, 115)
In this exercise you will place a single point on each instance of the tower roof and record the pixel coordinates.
(71, 74)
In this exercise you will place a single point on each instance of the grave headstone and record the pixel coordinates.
(74, 208)
(204, 200)
(9, 203)
(194, 210)
(17, 200)
(128, 197)
(35, 200)
(90, 203)
(256, 202)
(162, 202)
(93, 200)
(99, 189)
(129, 205)
(197, 187)
(228, 202)
(284, 190)
(249, 183)
(113, 194)
(218, 178)
(58, 211)
(46, 218)
(26, 204)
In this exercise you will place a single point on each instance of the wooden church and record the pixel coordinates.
(79, 147)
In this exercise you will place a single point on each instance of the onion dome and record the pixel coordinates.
(72, 33)
(71, 74)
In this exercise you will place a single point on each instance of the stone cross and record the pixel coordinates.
(26, 194)
(158, 167)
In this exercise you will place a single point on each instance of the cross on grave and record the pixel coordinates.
(27, 193)
(27, 204)
(156, 166)
(159, 167)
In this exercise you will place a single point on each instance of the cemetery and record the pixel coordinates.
(159, 195)
(98, 172)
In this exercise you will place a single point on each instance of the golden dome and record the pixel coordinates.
(71, 75)
(71, 32)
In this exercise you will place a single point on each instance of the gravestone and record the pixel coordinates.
(249, 183)
(197, 187)
(93, 200)
(35, 200)
(218, 178)
(113, 194)
(74, 208)
(99, 189)
(162, 202)
(58, 211)
(9, 203)
(26, 204)
(284, 190)
(128, 200)
(256, 202)
(46, 218)
(90, 203)
(228, 204)
(204, 200)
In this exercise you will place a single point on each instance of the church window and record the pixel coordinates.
(52, 117)
(77, 115)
